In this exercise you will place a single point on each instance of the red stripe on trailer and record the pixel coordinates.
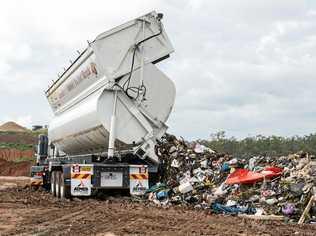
(75, 176)
(138, 176)
(86, 176)
(133, 176)
(144, 176)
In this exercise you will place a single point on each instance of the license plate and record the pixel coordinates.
(111, 179)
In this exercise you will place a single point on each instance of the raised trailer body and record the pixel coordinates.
(110, 106)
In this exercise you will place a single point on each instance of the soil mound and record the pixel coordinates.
(27, 138)
(15, 154)
(13, 127)
(9, 168)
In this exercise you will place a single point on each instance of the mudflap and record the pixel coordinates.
(81, 179)
(138, 176)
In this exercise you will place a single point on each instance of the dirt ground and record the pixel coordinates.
(7, 182)
(29, 212)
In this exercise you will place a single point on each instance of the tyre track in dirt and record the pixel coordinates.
(26, 212)
(48, 226)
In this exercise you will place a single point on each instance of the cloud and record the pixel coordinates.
(246, 67)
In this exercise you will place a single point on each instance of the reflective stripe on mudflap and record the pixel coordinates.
(80, 176)
(138, 176)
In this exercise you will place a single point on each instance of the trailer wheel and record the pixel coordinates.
(58, 177)
(64, 189)
(53, 183)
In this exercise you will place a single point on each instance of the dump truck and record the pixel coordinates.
(110, 107)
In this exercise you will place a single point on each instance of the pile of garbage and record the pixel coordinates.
(197, 176)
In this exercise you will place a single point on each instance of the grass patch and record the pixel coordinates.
(18, 146)
(40, 131)
(24, 159)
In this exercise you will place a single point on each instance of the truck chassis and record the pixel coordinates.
(66, 177)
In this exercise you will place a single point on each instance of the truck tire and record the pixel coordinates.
(46, 184)
(53, 183)
(64, 189)
(58, 177)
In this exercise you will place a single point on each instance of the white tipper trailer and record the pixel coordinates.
(110, 107)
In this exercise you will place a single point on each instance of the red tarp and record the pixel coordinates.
(244, 176)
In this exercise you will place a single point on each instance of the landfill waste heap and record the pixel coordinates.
(196, 176)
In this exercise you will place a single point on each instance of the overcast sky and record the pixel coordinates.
(246, 67)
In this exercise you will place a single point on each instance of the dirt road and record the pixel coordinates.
(27, 212)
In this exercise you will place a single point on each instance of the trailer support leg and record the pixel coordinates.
(112, 128)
